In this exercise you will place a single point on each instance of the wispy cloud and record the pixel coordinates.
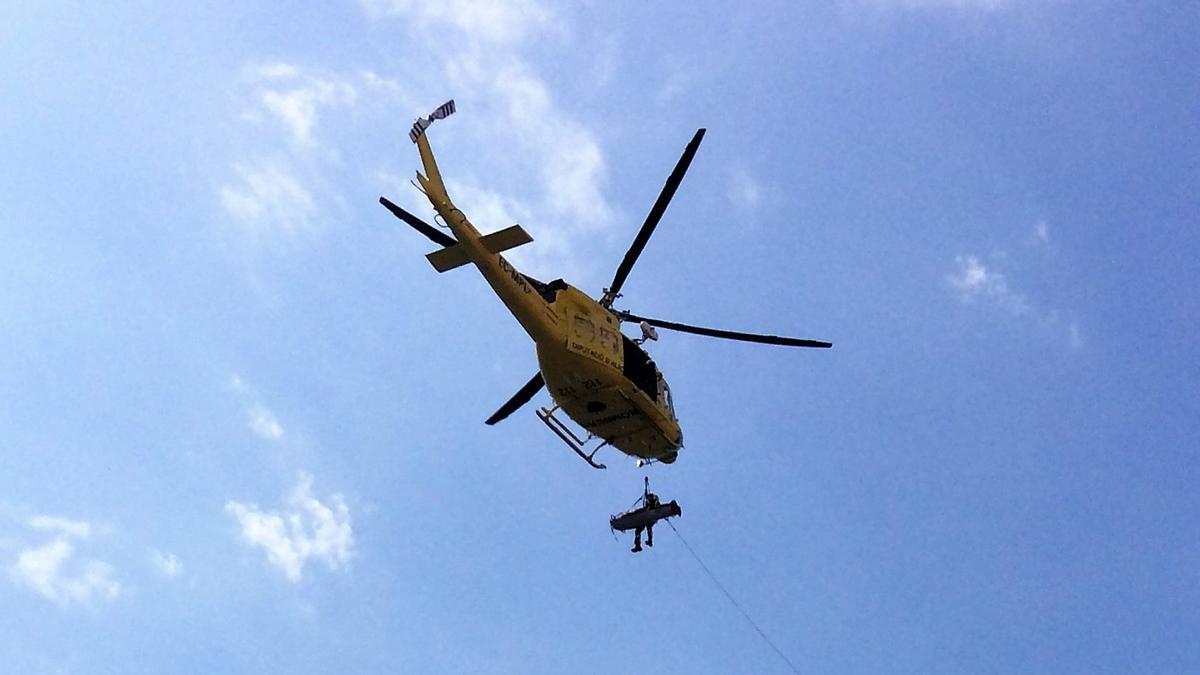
(281, 186)
(259, 417)
(294, 98)
(978, 281)
(53, 570)
(63, 526)
(675, 82)
(1041, 233)
(975, 281)
(272, 71)
(264, 424)
(167, 564)
(487, 206)
(268, 197)
(529, 123)
(744, 191)
(498, 23)
(274, 185)
(306, 529)
(512, 105)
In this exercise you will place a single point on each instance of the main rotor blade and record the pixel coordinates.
(419, 225)
(726, 334)
(519, 399)
(656, 214)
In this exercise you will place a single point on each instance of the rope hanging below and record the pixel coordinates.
(733, 601)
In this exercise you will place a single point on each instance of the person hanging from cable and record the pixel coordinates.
(649, 502)
(648, 509)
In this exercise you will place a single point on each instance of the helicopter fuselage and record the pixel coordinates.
(602, 379)
(606, 382)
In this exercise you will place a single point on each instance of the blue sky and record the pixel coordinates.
(242, 427)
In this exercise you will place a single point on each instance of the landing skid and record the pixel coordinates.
(546, 415)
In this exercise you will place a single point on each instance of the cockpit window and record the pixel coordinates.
(664, 395)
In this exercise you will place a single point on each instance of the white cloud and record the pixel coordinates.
(279, 180)
(571, 164)
(297, 107)
(676, 83)
(259, 418)
(268, 198)
(306, 529)
(168, 564)
(64, 526)
(1041, 233)
(377, 83)
(295, 97)
(974, 281)
(473, 48)
(744, 191)
(521, 120)
(263, 423)
(495, 22)
(271, 71)
(470, 47)
(52, 571)
(271, 192)
(488, 206)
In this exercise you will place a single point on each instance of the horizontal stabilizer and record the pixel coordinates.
(456, 255)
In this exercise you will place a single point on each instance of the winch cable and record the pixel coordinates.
(732, 600)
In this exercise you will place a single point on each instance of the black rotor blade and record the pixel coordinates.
(726, 334)
(656, 214)
(419, 225)
(519, 399)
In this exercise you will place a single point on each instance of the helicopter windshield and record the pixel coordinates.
(664, 395)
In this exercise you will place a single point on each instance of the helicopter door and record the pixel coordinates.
(639, 368)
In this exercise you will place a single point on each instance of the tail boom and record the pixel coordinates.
(514, 289)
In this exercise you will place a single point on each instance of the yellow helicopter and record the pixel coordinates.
(601, 379)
